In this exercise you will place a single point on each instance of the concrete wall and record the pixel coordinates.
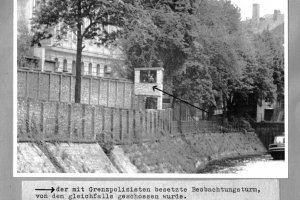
(87, 123)
(71, 121)
(61, 87)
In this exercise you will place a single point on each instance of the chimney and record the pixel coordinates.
(276, 14)
(255, 13)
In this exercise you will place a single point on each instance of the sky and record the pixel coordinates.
(266, 7)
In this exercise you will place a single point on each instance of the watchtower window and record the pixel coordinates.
(148, 76)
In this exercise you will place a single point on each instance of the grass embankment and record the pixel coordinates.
(191, 154)
(184, 154)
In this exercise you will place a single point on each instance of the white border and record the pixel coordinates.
(141, 175)
(15, 84)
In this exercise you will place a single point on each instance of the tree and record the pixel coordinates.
(71, 15)
(23, 42)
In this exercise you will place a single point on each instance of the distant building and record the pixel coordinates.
(60, 56)
(268, 22)
(255, 13)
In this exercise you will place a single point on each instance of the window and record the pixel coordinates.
(107, 70)
(65, 65)
(73, 67)
(98, 69)
(56, 64)
(148, 76)
(90, 68)
(166, 100)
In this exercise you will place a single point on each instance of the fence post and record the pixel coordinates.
(49, 91)
(90, 89)
(108, 89)
(60, 88)
(99, 85)
(156, 129)
(83, 120)
(28, 120)
(69, 121)
(170, 121)
(116, 95)
(56, 118)
(42, 125)
(103, 119)
(38, 85)
(93, 124)
(180, 124)
(121, 125)
(70, 94)
(134, 124)
(124, 89)
(26, 91)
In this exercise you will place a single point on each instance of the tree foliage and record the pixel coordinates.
(207, 56)
(24, 37)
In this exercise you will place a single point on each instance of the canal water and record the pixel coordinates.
(251, 165)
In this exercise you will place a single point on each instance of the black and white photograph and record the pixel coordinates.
(151, 88)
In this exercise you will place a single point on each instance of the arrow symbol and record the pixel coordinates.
(155, 88)
(52, 189)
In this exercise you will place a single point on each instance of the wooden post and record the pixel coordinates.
(124, 89)
(127, 122)
(60, 88)
(103, 119)
(42, 125)
(56, 118)
(116, 95)
(134, 124)
(99, 85)
(70, 91)
(93, 124)
(28, 120)
(121, 126)
(90, 90)
(70, 121)
(26, 91)
(108, 90)
(170, 121)
(38, 86)
(112, 120)
(144, 129)
(180, 125)
(49, 91)
(83, 120)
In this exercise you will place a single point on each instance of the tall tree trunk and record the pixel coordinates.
(78, 63)
(78, 71)
(224, 116)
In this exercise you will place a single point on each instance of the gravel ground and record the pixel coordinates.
(252, 166)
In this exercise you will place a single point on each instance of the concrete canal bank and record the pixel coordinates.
(180, 154)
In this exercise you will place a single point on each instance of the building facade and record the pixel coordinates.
(60, 55)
